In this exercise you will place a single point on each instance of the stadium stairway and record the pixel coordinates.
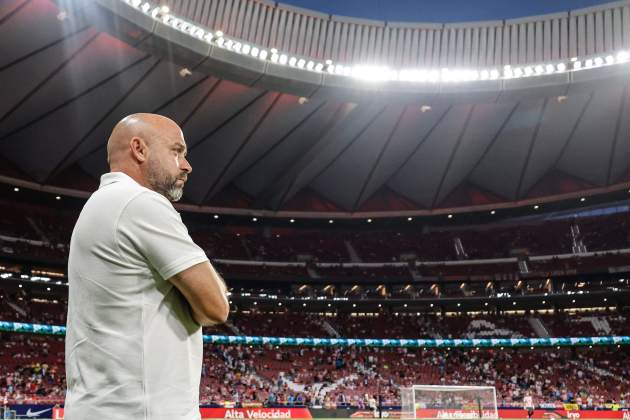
(538, 327)
(326, 326)
(354, 255)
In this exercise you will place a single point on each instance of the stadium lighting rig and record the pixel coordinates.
(374, 73)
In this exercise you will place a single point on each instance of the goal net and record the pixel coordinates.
(448, 402)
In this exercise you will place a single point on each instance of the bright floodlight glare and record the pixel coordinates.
(155, 12)
(339, 69)
(518, 72)
(136, 3)
(255, 52)
(263, 54)
(371, 73)
(508, 73)
(301, 63)
(598, 61)
(164, 10)
(610, 59)
(528, 71)
(237, 47)
(229, 43)
(310, 65)
(549, 68)
(283, 59)
(246, 48)
(292, 61)
(577, 65)
(219, 33)
(274, 57)
(331, 68)
(319, 67)
(145, 7)
(622, 56)
(494, 74)
(220, 42)
(561, 67)
(484, 74)
(539, 69)
(588, 63)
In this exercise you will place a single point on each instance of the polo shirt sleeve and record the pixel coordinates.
(155, 229)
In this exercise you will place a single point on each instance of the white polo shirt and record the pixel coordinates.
(133, 350)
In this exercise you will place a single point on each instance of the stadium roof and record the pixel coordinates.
(268, 142)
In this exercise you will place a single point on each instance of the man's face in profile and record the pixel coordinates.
(168, 167)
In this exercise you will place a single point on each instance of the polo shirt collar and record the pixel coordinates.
(111, 177)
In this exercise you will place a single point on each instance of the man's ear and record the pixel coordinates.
(139, 149)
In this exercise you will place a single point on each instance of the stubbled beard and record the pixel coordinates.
(163, 183)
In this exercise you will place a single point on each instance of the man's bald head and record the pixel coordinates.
(151, 149)
(148, 127)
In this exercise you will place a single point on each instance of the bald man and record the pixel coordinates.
(139, 288)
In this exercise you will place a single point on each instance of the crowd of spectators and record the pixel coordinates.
(40, 231)
(32, 371)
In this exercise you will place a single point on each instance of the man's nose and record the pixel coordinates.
(186, 166)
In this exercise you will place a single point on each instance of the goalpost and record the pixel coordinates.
(448, 402)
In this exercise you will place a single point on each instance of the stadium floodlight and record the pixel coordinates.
(589, 63)
(623, 56)
(283, 59)
(246, 49)
(372, 73)
(136, 3)
(539, 69)
(145, 7)
(518, 72)
(237, 47)
(426, 401)
(292, 61)
(263, 54)
(434, 76)
(610, 59)
(549, 68)
(528, 70)
(310, 64)
(330, 68)
(484, 75)
(339, 69)
(220, 42)
(508, 73)
(598, 61)
(254, 52)
(561, 67)
(494, 74)
(577, 65)
(409, 219)
(164, 10)
(301, 63)
(319, 67)
(274, 57)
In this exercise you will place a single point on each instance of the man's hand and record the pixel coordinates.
(205, 291)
